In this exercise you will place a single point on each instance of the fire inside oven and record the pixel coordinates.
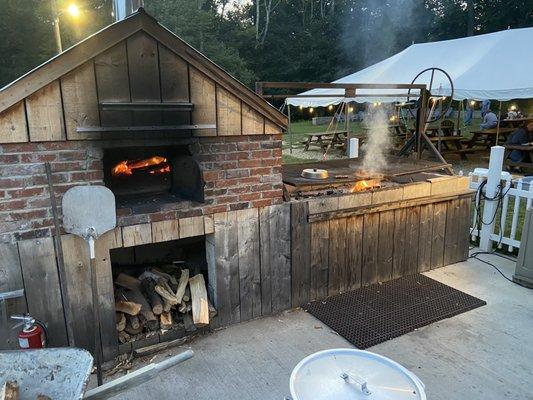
(157, 171)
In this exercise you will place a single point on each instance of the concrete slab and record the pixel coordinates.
(484, 354)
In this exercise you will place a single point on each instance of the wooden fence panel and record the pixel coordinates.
(227, 265)
(354, 251)
(398, 261)
(425, 238)
(385, 246)
(411, 240)
(451, 232)
(249, 263)
(266, 268)
(319, 260)
(370, 249)
(10, 280)
(439, 230)
(280, 256)
(41, 280)
(300, 253)
(337, 256)
(78, 280)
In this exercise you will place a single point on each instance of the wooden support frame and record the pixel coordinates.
(351, 90)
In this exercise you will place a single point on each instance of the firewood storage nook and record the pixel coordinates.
(194, 160)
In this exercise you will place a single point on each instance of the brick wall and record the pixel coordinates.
(240, 172)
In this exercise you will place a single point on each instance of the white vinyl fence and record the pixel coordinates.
(503, 208)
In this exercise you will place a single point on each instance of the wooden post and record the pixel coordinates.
(498, 126)
(289, 125)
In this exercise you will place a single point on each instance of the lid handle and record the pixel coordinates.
(358, 381)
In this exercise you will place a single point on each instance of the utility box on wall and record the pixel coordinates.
(524, 266)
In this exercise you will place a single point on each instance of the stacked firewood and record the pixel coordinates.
(160, 301)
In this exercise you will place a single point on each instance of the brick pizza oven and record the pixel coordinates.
(194, 160)
(134, 108)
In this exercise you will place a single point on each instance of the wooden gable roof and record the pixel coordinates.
(45, 77)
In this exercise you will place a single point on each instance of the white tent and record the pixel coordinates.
(495, 66)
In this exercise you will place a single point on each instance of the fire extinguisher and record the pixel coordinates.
(33, 334)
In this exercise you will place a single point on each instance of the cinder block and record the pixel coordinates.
(354, 200)
(416, 190)
(325, 204)
(387, 195)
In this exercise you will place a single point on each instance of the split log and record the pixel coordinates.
(187, 295)
(128, 281)
(165, 292)
(121, 321)
(166, 306)
(133, 321)
(149, 318)
(10, 391)
(128, 307)
(123, 337)
(200, 307)
(148, 286)
(165, 321)
(172, 281)
(184, 279)
(133, 326)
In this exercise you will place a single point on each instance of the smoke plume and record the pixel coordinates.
(378, 143)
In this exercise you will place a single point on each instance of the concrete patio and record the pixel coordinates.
(483, 354)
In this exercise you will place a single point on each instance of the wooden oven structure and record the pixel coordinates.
(135, 86)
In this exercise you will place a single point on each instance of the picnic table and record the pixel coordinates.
(528, 148)
(515, 122)
(487, 137)
(450, 145)
(325, 139)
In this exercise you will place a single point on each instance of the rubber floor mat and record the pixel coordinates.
(379, 312)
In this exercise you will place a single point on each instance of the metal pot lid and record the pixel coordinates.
(315, 173)
(340, 374)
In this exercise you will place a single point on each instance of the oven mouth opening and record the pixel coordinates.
(150, 174)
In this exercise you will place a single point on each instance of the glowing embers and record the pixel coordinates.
(152, 165)
(366, 184)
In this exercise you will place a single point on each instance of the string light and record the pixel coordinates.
(330, 107)
(472, 103)
(301, 107)
(350, 109)
(513, 107)
(311, 109)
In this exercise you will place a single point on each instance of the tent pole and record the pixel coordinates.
(498, 126)
(459, 107)
(290, 129)
(347, 107)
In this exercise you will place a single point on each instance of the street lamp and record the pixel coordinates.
(73, 10)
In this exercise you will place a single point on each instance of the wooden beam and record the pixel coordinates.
(325, 216)
(331, 85)
(146, 106)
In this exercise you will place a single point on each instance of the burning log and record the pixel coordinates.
(127, 307)
(200, 308)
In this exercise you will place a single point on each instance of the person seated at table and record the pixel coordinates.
(469, 113)
(490, 120)
(522, 135)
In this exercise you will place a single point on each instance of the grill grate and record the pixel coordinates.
(379, 312)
